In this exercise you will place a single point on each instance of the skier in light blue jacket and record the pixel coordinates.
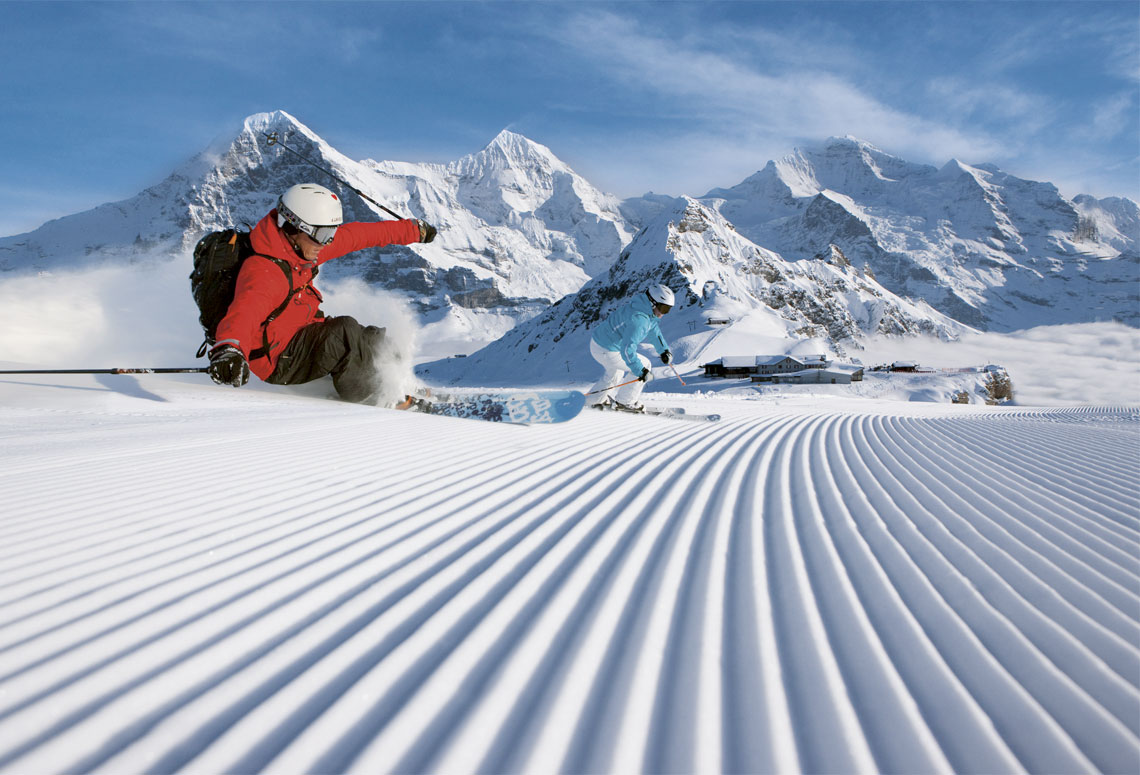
(614, 346)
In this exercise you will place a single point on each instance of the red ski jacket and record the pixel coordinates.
(262, 286)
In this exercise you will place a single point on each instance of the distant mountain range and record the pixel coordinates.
(989, 249)
(836, 242)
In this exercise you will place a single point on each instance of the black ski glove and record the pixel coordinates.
(646, 375)
(666, 357)
(427, 231)
(228, 366)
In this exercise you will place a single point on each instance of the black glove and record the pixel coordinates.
(666, 357)
(228, 366)
(427, 231)
(646, 375)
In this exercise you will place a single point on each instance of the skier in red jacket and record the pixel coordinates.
(300, 344)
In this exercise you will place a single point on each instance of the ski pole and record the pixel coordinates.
(271, 138)
(194, 370)
(675, 374)
(611, 387)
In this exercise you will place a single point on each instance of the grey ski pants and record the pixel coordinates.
(338, 346)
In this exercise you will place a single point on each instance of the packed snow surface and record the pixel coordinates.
(200, 579)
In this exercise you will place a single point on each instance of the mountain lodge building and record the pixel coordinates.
(788, 369)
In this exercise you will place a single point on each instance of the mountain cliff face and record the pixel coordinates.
(987, 248)
(717, 275)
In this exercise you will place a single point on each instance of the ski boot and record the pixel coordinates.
(421, 402)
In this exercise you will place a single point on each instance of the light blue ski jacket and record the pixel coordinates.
(627, 327)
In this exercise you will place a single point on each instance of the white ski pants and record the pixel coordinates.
(616, 373)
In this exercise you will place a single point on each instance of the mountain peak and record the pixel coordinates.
(276, 121)
(865, 153)
(851, 142)
(507, 137)
(519, 149)
(271, 118)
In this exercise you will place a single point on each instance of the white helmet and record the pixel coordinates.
(311, 208)
(660, 294)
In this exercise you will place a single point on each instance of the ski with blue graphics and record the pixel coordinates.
(535, 407)
(669, 412)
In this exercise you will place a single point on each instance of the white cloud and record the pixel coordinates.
(724, 91)
(1112, 116)
(732, 99)
(990, 101)
(113, 316)
(1080, 364)
(1119, 43)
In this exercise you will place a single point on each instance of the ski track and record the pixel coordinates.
(790, 589)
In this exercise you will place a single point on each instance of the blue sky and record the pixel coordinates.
(102, 99)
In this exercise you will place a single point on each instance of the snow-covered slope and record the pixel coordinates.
(983, 246)
(825, 303)
(518, 228)
(807, 586)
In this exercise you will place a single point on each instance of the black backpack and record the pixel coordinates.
(217, 260)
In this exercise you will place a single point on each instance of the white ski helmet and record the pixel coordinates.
(660, 295)
(311, 208)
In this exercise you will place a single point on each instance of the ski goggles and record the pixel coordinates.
(662, 309)
(322, 235)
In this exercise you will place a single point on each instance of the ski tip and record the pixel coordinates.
(571, 404)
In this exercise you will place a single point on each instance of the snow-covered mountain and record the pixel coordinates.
(718, 276)
(518, 228)
(987, 248)
(517, 225)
